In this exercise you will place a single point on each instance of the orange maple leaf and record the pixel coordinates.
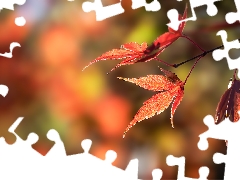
(171, 88)
(229, 103)
(133, 52)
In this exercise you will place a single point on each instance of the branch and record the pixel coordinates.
(198, 56)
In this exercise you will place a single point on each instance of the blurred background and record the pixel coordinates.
(49, 89)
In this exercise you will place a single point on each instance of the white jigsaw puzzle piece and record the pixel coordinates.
(9, 4)
(153, 6)
(219, 54)
(173, 13)
(58, 149)
(96, 168)
(116, 9)
(101, 11)
(9, 54)
(20, 21)
(157, 174)
(21, 157)
(3, 90)
(180, 162)
(21, 148)
(226, 130)
(232, 17)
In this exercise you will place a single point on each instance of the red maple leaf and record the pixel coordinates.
(170, 88)
(171, 36)
(229, 103)
(133, 52)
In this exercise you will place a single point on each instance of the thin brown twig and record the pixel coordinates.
(200, 55)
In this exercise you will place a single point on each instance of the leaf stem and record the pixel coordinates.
(184, 36)
(235, 74)
(192, 69)
(164, 62)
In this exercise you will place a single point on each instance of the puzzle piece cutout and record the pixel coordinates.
(180, 162)
(19, 21)
(3, 90)
(9, 4)
(9, 54)
(83, 165)
(21, 157)
(18, 156)
(116, 9)
(58, 149)
(226, 130)
(63, 166)
(157, 174)
(153, 6)
(102, 168)
(173, 13)
(232, 17)
(219, 54)
(101, 11)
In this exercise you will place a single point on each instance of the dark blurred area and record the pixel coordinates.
(49, 89)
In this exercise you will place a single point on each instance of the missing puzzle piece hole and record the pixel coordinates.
(53, 135)
(20, 21)
(87, 7)
(32, 138)
(171, 160)
(86, 144)
(110, 156)
(204, 171)
(202, 144)
(219, 158)
(157, 174)
(234, 53)
(3, 90)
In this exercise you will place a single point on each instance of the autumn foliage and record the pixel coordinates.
(229, 103)
(133, 52)
(169, 87)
